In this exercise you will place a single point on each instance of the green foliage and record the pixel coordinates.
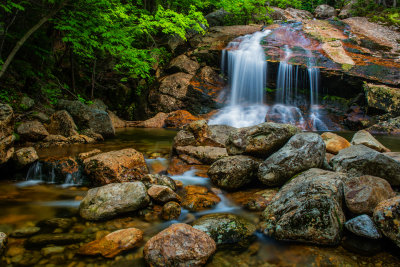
(52, 92)
(245, 11)
(6, 96)
(10, 6)
(84, 101)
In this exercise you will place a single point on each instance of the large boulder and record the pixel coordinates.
(217, 17)
(25, 156)
(307, 209)
(334, 143)
(200, 154)
(324, 12)
(360, 160)
(363, 226)
(116, 166)
(113, 199)
(114, 243)
(302, 152)
(32, 131)
(179, 245)
(61, 123)
(290, 14)
(6, 121)
(391, 126)
(233, 172)
(387, 218)
(383, 98)
(85, 117)
(6, 148)
(364, 193)
(261, 140)
(363, 137)
(183, 64)
(179, 118)
(158, 121)
(227, 230)
(116, 121)
(345, 12)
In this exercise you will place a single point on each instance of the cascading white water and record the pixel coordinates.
(244, 62)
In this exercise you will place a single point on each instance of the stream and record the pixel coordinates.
(24, 204)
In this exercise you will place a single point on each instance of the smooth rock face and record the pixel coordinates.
(179, 245)
(364, 193)
(334, 143)
(179, 118)
(260, 140)
(116, 121)
(233, 172)
(365, 138)
(227, 230)
(383, 97)
(85, 117)
(61, 123)
(158, 121)
(6, 120)
(32, 131)
(360, 160)
(161, 193)
(201, 154)
(197, 198)
(302, 152)
(183, 64)
(363, 226)
(387, 218)
(113, 244)
(156, 179)
(113, 199)
(307, 209)
(324, 11)
(116, 166)
(3, 242)
(25, 156)
(171, 211)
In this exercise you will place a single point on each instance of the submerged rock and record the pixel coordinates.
(113, 244)
(179, 245)
(360, 160)
(116, 166)
(260, 140)
(32, 131)
(55, 239)
(54, 223)
(254, 199)
(365, 138)
(387, 218)
(113, 199)
(61, 123)
(334, 143)
(302, 152)
(25, 156)
(308, 209)
(363, 226)
(364, 193)
(233, 172)
(171, 211)
(196, 198)
(25, 231)
(227, 230)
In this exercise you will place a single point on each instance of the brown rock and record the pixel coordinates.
(179, 118)
(183, 64)
(161, 193)
(61, 123)
(387, 218)
(6, 149)
(365, 138)
(364, 193)
(32, 131)
(116, 166)
(25, 156)
(90, 133)
(116, 121)
(254, 199)
(197, 198)
(334, 143)
(179, 245)
(171, 211)
(113, 244)
(158, 121)
(6, 121)
(85, 155)
(52, 140)
(201, 154)
(81, 139)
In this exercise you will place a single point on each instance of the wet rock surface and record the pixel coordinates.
(227, 230)
(171, 211)
(114, 243)
(25, 232)
(302, 152)
(387, 217)
(161, 193)
(196, 198)
(365, 138)
(233, 172)
(25, 156)
(61, 123)
(55, 239)
(363, 226)
(116, 166)
(32, 131)
(360, 160)
(3, 242)
(260, 140)
(6, 120)
(362, 194)
(179, 245)
(113, 199)
(307, 209)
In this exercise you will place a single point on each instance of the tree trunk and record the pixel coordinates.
(21, 42)
(71, 62)
(93, 79)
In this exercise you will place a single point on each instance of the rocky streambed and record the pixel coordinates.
(208, 195)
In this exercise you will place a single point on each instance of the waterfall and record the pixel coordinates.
(244, 62)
